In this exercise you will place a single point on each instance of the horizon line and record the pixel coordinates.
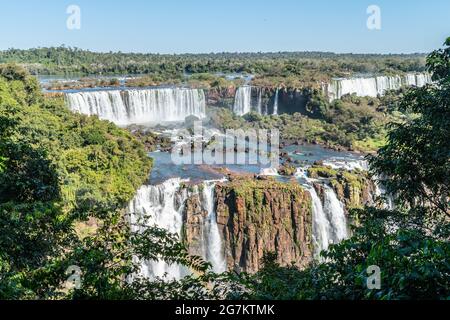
(214, 52)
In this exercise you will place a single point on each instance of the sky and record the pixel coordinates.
(204, 26)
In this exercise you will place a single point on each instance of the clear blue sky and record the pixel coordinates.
(179, 26)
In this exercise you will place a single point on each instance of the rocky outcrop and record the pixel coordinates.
(354, 189)
(193, 221)
(220, 97)
(259, 216)
(290, 100)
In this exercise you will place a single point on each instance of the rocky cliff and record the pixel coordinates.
(354, 189)
(221, 97)
(290, 100)
(258, 216)
(193, 221)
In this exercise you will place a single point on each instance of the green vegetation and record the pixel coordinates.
(89, 164)
(281, 67)
(287, 170)
(316, 172)
(413, 256)
(245, 187)
(58, 169)
(352, 188)
(352, 123)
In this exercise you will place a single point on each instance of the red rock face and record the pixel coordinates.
(260, 216)
(220, 97)
(264, 216)
(193, 221)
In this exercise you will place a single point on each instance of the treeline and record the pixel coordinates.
(65, 180)
(66, 60)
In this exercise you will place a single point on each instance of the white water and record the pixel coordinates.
(139, 106)
(157, 205)
(343, 163)
(243, 101)
(329, 220)
(321, 224)
(380, 192)
(214, 246)
(334, 210)
(275, 103)
(163, 206)
(259, 105)
(374, 86)
(269, 172)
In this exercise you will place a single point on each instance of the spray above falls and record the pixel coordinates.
(139, 106)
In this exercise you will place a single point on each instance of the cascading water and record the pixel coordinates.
(334, 209)
(139, 106)
(346, 164)
(422, 79)
(243, 101)
(260, 95)
(275, 103)
(329, 220)
(163, 206)
(214, 247)
(321, 224)
(269, 172)
(388, 83)
(157, 206)
(380, 192)
(373, 86)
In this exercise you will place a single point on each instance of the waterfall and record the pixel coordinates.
(244, 103)
(243, 100)
(214, 247)
(275, 103)
(374, 86)
(384, 84)
(336, 215)
(321, 224)
(163, 206)
(346, 164)
(139, 106)
(422, 79)
(410, 79)
(329, 219)
(380, 192)
(159, 206)
(260, 94)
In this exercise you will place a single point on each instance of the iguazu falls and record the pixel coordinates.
(139, 106)
(202, 159)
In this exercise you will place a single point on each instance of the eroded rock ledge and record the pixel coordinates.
(254, 217)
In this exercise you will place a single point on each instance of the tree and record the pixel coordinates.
(410, 245)
(415, 160)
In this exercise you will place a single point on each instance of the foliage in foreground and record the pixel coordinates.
(37, 240)
(57, 170)
(410, 245)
